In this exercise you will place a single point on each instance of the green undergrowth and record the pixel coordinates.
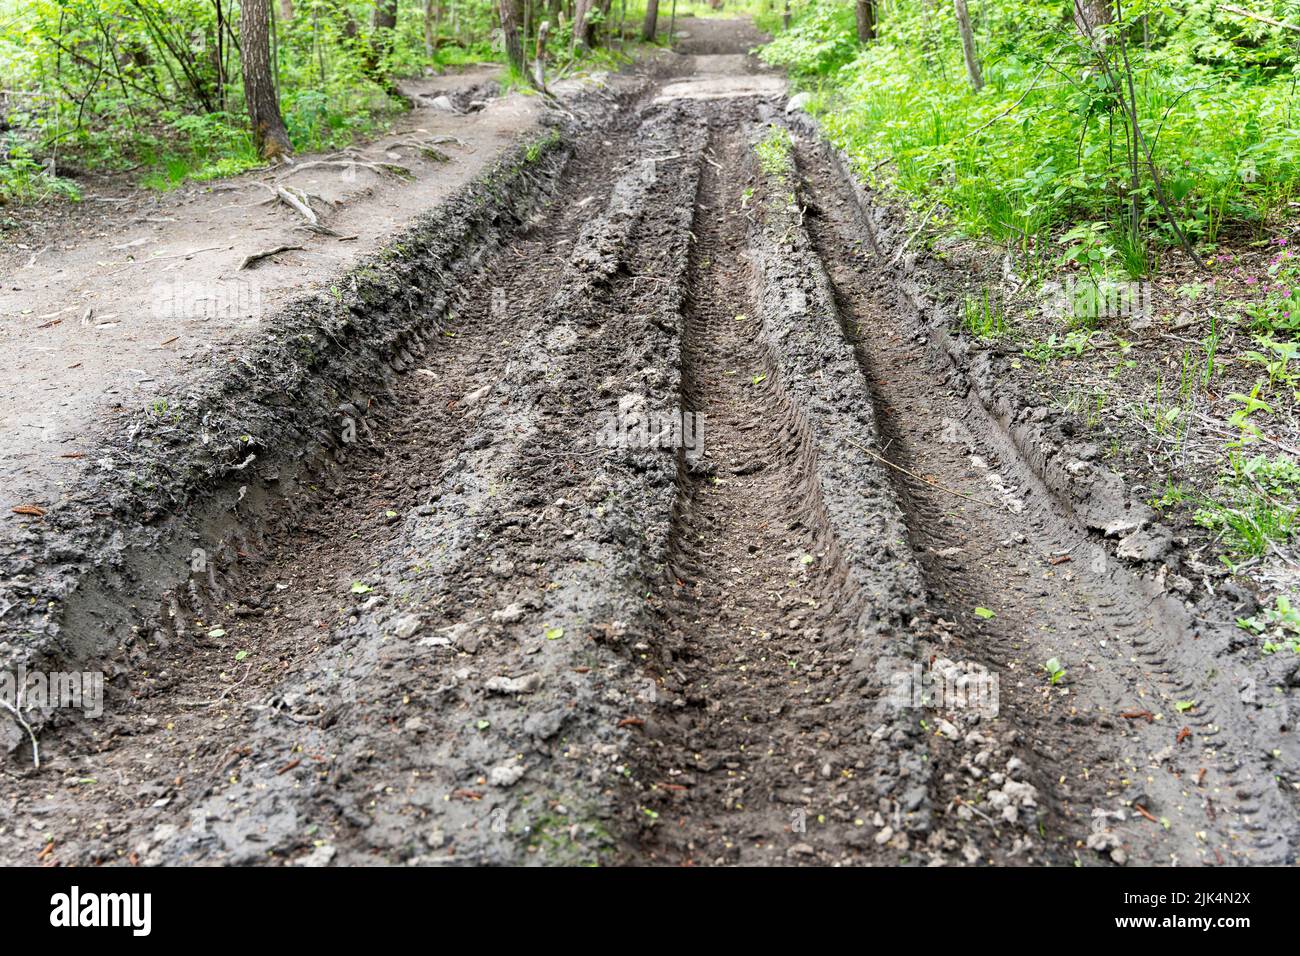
(1040, 150)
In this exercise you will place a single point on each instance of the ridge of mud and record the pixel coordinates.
(1187, 646)
(229, 449)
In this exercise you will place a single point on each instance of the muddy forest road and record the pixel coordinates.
(491, 631)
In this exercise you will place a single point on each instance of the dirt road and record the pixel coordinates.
(532, 615)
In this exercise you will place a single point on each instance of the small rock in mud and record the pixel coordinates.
(406, 626)
(476, 396)
(321, 856)
(798, 101)
(524, 684)
(1149, 545)
(510, 614)
(506, 775)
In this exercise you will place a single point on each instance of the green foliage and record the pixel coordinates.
(776, 153)
(1042, 147)
(1279, 311)
(1280, 624)
(1257, 504)
(984, 316)
(156, 85)
(22, 179)
(1071, 345)
(822, 41)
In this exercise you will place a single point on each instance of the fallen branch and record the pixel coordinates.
(36, 750)
(1260, 17)
(375, 167)
(929, 481)
(256, 257)
(912, 238)
(427, 150)
(300, 202)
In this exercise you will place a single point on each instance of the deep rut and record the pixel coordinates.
(751, 561)
(990, 535)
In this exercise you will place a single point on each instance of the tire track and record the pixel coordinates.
(1056, 592)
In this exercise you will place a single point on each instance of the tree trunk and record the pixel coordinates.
(512, 15)
(384, 25)
(968, 46)
(866, 10)
(539, 62)
(598, 35)
(385, 15)
(269, 134)
(1089, 17)
(651, 18)
(432, 16)
(581, 25)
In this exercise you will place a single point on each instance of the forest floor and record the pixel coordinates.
(105, 304)
(530, 614)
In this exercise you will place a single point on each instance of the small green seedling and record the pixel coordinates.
(1055, 670)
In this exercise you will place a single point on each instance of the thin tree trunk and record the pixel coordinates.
(511, 16)
(432, 14)
(581, 25)
(269, 133)
(539, 62)
(383, 24)
(651, 20)
(385, 15)
(598, 34)
(968, 46)
(381, 44)
(1089, 16)
(866, 11)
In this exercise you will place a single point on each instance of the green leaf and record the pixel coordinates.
(984, 613)
(241, 655)
(554, 633)
(360, 588)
